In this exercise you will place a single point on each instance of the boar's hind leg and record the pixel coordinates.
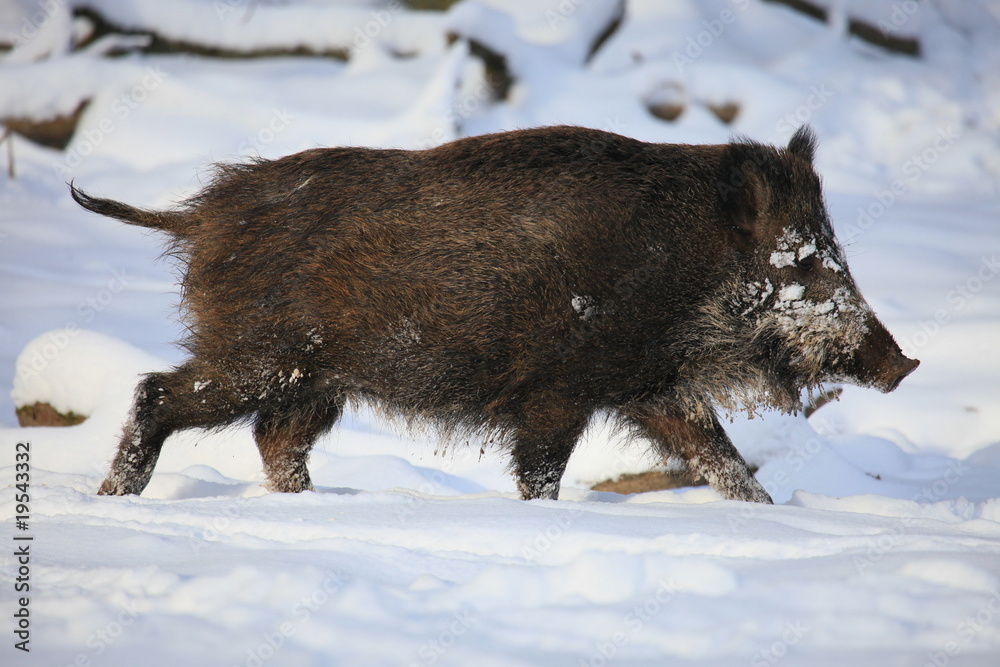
(707, 450)
(285, 434)
(165, 402)
(542, 447)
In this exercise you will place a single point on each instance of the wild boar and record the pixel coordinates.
(510, 285)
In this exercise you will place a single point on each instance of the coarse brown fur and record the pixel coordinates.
(513, 284)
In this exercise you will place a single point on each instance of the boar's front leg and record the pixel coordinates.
(545, 437)
(706, 449)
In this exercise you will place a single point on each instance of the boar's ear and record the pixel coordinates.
(803, 144)
(743, 186)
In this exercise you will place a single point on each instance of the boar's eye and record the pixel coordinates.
(807, 263)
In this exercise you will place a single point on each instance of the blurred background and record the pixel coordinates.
(163, 87)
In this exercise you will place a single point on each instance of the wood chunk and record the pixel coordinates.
(861, 29)
(726, 112)
(610, 29)
(52, 132)
(43, 414)
(160, 44)
(668, 111)
(821, 399)
(654, 480)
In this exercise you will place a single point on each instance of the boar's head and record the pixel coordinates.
(795, 310)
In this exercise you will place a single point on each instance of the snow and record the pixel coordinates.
(884, 545)
(76, 370)
(791, 292)
(781, 259)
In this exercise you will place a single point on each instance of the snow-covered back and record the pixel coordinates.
(884, 547)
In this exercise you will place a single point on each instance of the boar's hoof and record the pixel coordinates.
(756, 495)
(294, 481)
(274, 488)
(538, 491)
(735, 482)
(116, 486)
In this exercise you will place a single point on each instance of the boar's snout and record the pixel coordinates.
(886, 363)
(878, 362)
(897, 369)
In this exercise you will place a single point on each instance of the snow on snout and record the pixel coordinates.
(834, 323)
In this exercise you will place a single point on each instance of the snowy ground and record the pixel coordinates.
(884, 547)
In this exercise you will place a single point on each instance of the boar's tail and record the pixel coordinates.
(169, 221)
